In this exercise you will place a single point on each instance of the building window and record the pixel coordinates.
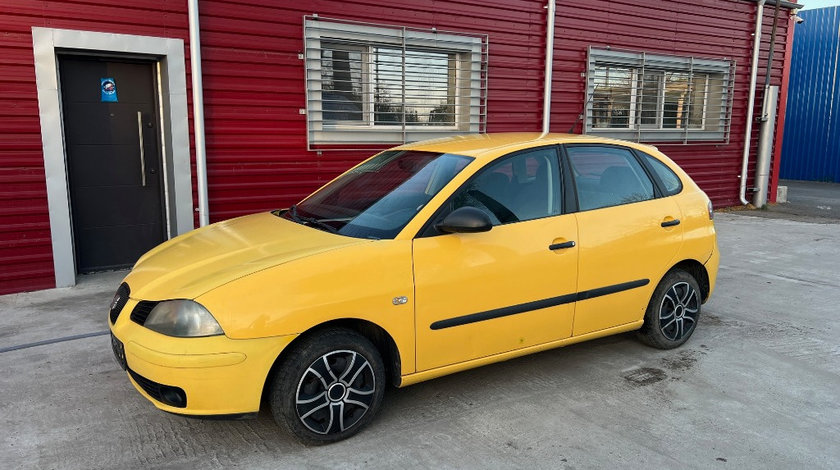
(648, 97)
(383, 84)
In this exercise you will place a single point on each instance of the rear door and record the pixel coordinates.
(628, 235)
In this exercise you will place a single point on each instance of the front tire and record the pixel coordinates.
(673, 311)
(329, 387)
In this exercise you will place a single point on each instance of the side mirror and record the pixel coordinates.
(465, 220)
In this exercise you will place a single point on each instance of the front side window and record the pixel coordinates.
(607, 176)
(384, 84)
(647, 97)
(518, 188)
(379, 197)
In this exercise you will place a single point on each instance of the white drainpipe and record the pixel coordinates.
(751, 103)
(549, 64)
(198, 114)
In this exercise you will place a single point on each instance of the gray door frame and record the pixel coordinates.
(168, 54)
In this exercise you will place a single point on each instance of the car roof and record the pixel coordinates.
(492, 145)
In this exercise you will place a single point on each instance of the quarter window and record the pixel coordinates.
(608, 176)
(522, 187)
(649, 97)
(670, 180)
(386, 84)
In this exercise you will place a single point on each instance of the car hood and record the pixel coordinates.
(201, 260)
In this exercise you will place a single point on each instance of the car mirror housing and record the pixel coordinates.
(465, 220)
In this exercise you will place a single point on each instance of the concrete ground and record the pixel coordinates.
(807, 201)
(757, 386)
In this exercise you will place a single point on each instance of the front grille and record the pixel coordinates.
(166, 394)
(119, 301)
(141, 311)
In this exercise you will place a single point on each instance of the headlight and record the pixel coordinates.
(182, 318)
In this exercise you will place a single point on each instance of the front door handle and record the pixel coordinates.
(560, 246)
(670, 223)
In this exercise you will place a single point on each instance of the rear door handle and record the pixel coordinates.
(560, 246)
(670, 223)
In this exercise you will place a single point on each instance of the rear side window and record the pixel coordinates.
(670, 181)
(608, 176)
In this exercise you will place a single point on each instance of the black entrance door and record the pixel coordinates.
(111, 136)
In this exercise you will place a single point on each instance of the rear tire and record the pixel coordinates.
(673, 311)
(328, 387)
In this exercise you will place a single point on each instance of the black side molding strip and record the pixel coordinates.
(591, 294)
(503, 312)
(537, 304)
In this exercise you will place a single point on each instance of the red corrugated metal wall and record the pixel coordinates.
(25, 246)
(254, 87)
(254, 80)
(701, 28)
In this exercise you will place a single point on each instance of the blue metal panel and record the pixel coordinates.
(811, 148)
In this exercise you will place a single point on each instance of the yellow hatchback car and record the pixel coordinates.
(424, 260)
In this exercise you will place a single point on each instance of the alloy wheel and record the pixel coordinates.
(335, 392)
(678, 311)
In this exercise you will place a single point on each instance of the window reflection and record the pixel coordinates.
(341, 70)
(629, 98)
(612, 97)
(384, 86)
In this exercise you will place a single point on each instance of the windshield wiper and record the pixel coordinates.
(293, 213)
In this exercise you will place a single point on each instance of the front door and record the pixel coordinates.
(479, 294)
(111, 136)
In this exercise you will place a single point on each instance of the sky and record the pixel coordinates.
(812, 4)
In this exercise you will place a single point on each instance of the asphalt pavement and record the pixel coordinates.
(755, 387)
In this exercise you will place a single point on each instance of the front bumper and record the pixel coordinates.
(218, 375)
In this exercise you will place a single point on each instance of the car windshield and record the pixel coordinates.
(379, 197)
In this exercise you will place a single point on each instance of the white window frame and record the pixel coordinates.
(640, 62)
(470, 81)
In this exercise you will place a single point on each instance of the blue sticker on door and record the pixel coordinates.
(109, 90)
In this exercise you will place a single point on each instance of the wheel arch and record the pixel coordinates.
(377, 335)
(698, 271)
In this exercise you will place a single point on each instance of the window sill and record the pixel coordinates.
(660, 135)
(368, 135)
